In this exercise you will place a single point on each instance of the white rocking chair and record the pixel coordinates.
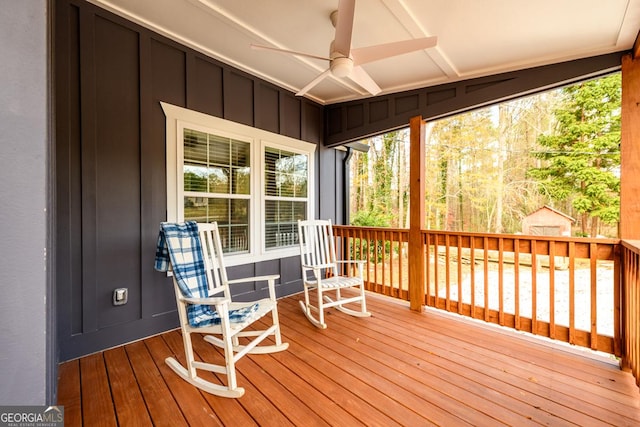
(194, 253)
(324, 273)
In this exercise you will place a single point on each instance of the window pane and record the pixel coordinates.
(195, 208)
(195, 146)
(299, 211)
(285, 173)
(240, 154)
(232, 217)
(234, 238)
(223, 162)
(281, 235)
(271, 156)
(238, 239)
(218, 211)
(300, 176)
(219, 150)
(270, 186)
(284, 177)
(270, 211)
(240, 211)
(195, 177)
(285, 163)
(285, 211)
(241, 180)
(271, 232)
(281, 222)
(285, 183)
(219, 180)
(300, 186)
(301, 164)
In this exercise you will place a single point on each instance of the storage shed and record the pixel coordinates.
(547, 221)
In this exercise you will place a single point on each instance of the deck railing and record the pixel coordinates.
(567, 289)
(631, 306)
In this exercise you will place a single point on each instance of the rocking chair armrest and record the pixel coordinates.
(351, 261)
(270, 279)
(206, 301)
(254, 279)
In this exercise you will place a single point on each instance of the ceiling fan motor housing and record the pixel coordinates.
(341, 66)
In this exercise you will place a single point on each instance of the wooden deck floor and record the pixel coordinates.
(395, 368)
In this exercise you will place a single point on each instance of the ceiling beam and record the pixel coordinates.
(356, 120)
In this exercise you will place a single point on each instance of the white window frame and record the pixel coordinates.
(177, 118)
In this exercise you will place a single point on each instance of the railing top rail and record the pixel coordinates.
(599, 240)
(363, 228)
(632, 244)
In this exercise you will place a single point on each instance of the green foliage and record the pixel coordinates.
(376, 248)
(371, 219)
(581, 158)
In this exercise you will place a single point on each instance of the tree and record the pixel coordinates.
(379, 180)
(581, 159)
(460, 150)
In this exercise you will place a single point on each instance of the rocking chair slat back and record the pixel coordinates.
(318, 245)
(213, 259)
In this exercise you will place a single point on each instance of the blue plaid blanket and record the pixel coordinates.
(179, 247)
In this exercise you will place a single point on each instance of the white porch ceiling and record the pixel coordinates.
(475, 37)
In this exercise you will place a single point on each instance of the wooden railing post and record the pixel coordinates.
(630, 204)
(630, 149)
(416, 214)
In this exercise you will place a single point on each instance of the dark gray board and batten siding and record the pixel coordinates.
(110, 76)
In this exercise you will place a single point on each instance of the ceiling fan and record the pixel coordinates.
(345, 61)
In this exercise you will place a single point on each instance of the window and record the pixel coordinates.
(254, 183)
(285, 187)
(217, 184)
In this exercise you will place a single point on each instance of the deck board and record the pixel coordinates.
(127, 397)
(397, 367)
(96, 393)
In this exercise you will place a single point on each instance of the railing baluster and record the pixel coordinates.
(501, 280)
(392, 269)
(373, 252)
(617, 303)
(459, 240)
(472, 273)
(593, 265)
(485, 246)
(447, 271)
(401, 267)
(572, 292)
(552, 291)
(427, 263)
(436, 264)
(534, 288)
(516, 279)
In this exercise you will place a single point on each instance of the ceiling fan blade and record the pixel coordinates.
(314, 82)
(361, 78)
(344, 27)
(364, 55)
(293, 52)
